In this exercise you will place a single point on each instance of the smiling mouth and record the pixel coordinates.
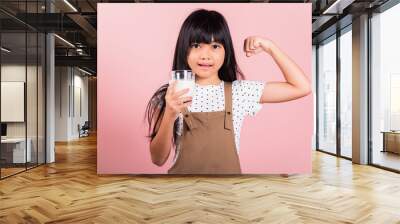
(204, 65)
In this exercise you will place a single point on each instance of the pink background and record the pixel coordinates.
(135, 52)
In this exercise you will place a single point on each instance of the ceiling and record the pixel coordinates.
(76, 22)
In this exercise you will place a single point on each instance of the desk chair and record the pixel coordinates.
(84, 130)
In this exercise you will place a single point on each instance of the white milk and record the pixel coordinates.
(183, 84)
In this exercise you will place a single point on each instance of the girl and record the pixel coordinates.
(205, 129)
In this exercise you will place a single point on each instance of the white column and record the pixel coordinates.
(360, 89)
(50, 110)
(50, 91)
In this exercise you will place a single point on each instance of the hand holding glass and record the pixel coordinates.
(184, 79)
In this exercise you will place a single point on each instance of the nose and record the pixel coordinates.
(205, 53)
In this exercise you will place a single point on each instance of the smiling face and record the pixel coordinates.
(205, 60)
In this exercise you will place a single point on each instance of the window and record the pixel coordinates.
(346, 75)
(385, 88)
(327, 95)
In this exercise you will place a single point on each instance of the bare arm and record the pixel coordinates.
(297, 84)
(160, 146)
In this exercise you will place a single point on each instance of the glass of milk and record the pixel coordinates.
(184, 79)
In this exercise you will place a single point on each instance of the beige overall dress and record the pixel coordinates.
(207, 144)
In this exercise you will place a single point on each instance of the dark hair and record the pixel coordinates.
(201, 26)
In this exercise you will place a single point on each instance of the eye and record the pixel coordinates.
(195, 45)
(216, 46)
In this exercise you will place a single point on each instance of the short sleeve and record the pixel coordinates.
(248, 94)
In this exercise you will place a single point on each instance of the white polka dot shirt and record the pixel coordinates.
(245, 101)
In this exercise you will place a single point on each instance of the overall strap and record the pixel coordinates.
(228, 105)
(187, 116)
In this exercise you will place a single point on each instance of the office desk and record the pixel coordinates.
(13, 150)
(391, 141)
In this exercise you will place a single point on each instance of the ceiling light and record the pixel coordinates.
(338, 6)
(70, 5)
(64, 40)
(5, 50)
(84, 71)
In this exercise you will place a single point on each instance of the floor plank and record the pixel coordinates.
(70, 191)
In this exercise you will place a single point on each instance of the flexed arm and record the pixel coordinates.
(297, 85)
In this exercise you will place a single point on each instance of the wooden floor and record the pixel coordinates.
(387, 159)
(70, 191)
(5, 172)
(8, 171)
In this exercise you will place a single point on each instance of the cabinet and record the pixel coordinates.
(391, 141)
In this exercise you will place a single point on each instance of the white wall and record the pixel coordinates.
(62, 81)
(33, 127)
(70, 84)
(80, 103)
(14, 73)
(17, 73)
